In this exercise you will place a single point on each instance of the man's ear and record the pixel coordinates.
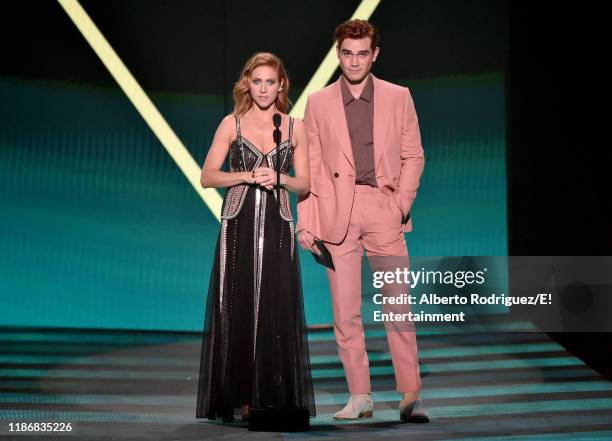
(375, 54)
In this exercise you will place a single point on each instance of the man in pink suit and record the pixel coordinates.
(366, 161)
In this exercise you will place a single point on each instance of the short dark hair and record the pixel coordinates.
(356, 29)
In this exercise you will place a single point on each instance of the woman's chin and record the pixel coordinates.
(264, 105)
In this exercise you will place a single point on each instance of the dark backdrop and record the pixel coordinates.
(559, 159)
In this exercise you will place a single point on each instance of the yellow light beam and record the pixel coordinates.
(143, 104)
(155, 120)
(327, 68)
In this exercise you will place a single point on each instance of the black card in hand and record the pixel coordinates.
(325, 258)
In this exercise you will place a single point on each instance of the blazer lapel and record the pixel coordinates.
(382, 116)
(338, 117)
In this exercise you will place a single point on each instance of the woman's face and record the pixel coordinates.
(264, 85)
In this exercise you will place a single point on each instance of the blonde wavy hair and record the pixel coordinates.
(242, 96)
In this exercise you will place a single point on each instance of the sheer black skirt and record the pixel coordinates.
(254, 348)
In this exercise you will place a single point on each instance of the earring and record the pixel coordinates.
(280, 89)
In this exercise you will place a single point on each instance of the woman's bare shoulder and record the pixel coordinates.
(227, 126)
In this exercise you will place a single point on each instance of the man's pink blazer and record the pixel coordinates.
(398, 158)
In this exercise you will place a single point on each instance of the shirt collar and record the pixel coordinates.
(366, 93)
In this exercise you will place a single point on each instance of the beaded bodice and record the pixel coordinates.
(245, 156)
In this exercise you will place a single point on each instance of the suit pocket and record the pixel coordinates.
(321, 190)
(396, 209)
(395, 205)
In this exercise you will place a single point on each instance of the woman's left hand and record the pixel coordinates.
(266, 177)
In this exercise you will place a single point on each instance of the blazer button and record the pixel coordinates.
(336, 175)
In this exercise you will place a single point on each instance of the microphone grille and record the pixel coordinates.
(276, 119)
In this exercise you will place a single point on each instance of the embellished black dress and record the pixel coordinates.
(255, 348)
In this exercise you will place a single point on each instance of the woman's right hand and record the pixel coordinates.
(248, 177)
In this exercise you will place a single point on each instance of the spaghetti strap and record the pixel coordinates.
(289, 143)
(237, 126)
(239, 138)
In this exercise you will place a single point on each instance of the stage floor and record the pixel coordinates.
(113, 385)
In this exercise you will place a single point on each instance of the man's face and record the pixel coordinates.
(356, 58)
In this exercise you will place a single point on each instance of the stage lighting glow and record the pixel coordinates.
(156, 121)
(142, 103)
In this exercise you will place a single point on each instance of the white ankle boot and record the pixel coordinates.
(358, 406)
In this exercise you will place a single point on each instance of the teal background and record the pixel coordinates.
(100, 229)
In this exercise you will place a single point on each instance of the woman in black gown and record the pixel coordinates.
(255, 349)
